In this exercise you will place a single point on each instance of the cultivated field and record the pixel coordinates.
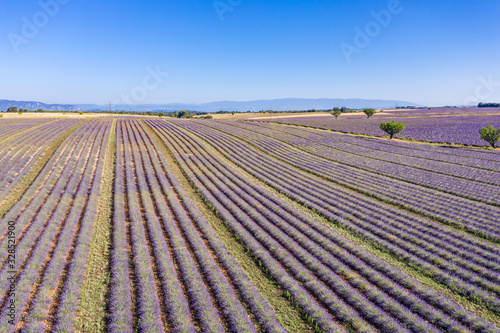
(450, 126)
(129, 224)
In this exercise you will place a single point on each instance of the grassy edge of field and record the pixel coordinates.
(92, 311)
(290, 316)
(29, 178)
(369, 246)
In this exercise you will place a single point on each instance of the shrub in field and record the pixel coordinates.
(369, 112)
(392, 128)
(490, 135)
(336, 113)
(160, 114)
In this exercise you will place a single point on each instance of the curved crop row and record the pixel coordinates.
(292, 180)
(173, 135)
(470, 168)
(476, 217)
(488, 193)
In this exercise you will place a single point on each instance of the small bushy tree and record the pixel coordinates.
(490, 135)
(336, 114)
(160, 114)
(183, 114)
(392, 128)
(12, 109)
(369, 112)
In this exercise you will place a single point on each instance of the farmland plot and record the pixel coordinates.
(148, 225)
(53, 221)
(184, 279)
(462, 129)
(331, 279)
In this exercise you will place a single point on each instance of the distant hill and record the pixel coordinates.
(285, 104)
(5, 104)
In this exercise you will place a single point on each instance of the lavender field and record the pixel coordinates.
(128, 224)
(428, 125)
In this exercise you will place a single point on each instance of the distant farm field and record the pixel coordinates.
(449, 126)
(154, 224)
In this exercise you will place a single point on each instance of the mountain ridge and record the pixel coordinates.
(283, 104)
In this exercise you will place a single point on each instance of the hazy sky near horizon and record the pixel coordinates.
(428, 52)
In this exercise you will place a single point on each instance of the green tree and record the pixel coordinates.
(336, 114)
(80, 112)
(12, 109)
(160, 114)
(392, 128)
(490, 135)
(39, 110)
(183, 114)
(336, 108)
(369, 112)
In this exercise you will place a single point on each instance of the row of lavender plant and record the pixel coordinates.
(52, 180)
(70, 294)
(478, 218)
(39, 229)
(318, 314)
(462, 129)
(325, 266)
(11, 130)
(14, 129)
(287, 144)
(481, 155)
(12, 148)
(264, 224)
(216, 136)
(300, 195)
(259, 306)
(69, 208)
(181, 240)
(33, 218)
(175, 300)
(315, 188)
(459, 156)
(289, 218)
(120, 296)
(22, 165)
(464, 167)
(289, 214)
(149, 307)
(196, 290)
(37, 318)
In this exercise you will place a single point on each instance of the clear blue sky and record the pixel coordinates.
(431, 52)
